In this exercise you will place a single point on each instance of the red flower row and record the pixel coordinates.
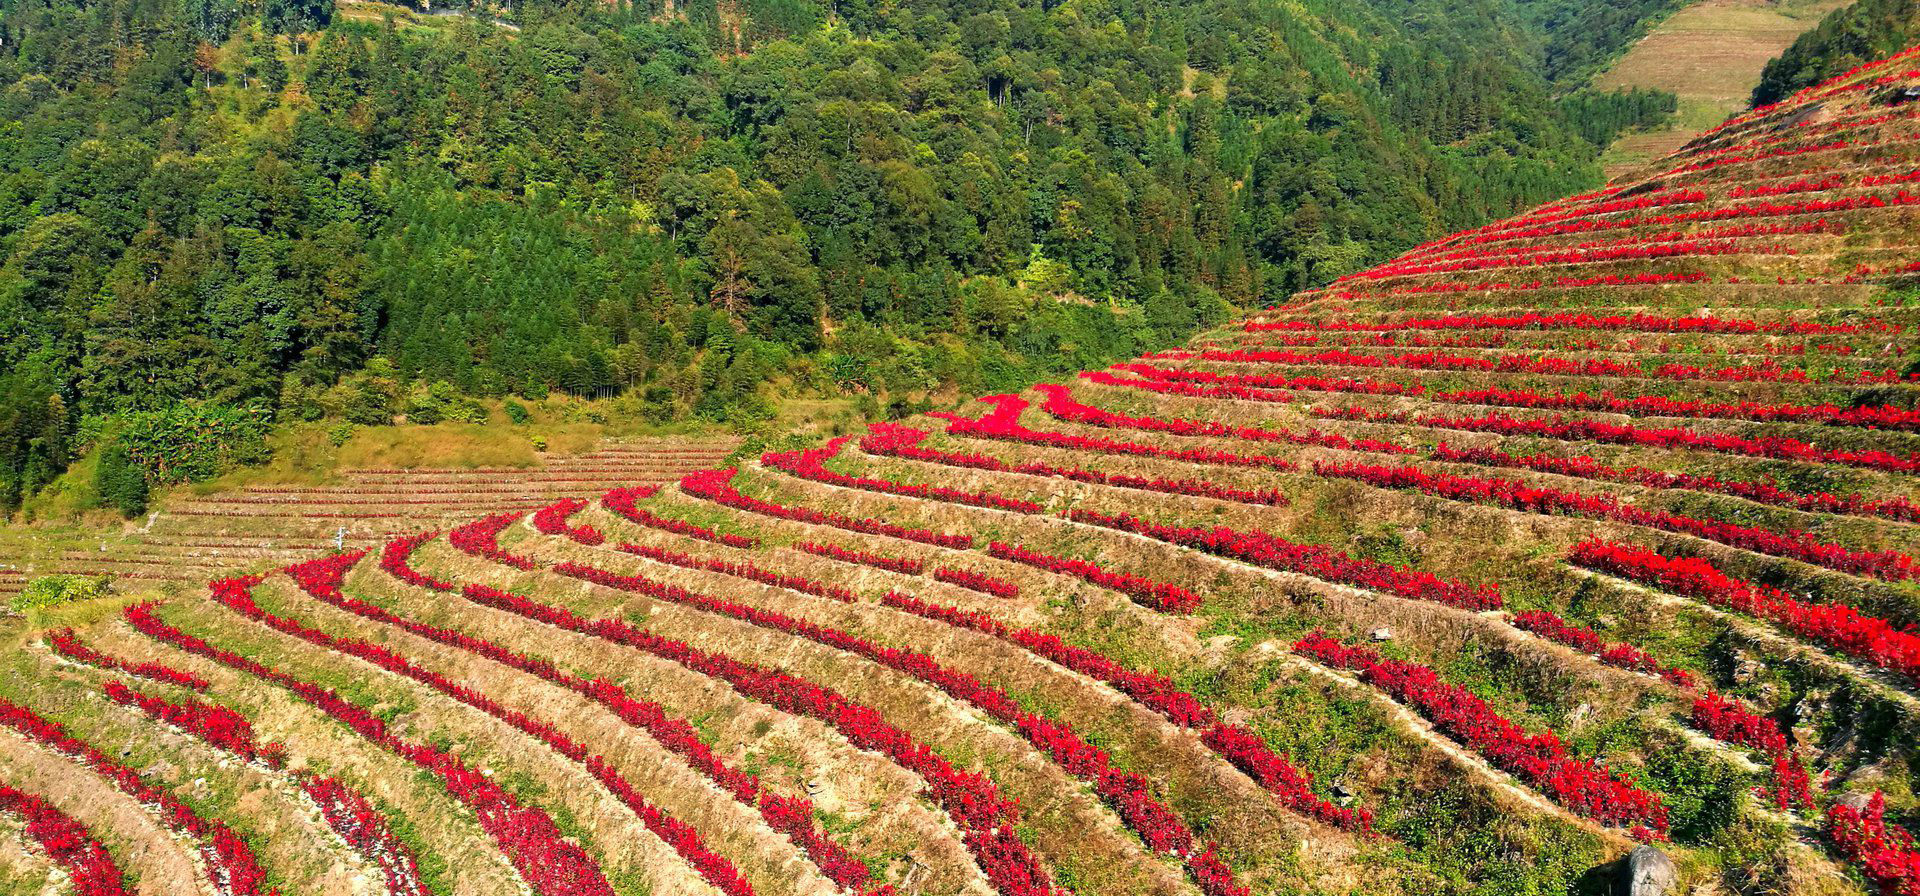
(1318, 561)
(1645, 278)
(1725, 719)
(217, 725)
(1547, 256)
(985, 818)
(231, 864)
(626, 502)
(534, 845)
(1765, 493)
(1890, 566)
(1238, 744)
(790, 815)
(366, 831)
(65, 643)
(812, 465)
(1002, 424)
(1575, 429)
(68, 842)
(894, 440)
(1871, 416)
(1837, 626)
(1586, 640)
(396, 559)
(552, 520)
(975, 581)
(482, 538)
(1886, 855)
(1128, 793)
(742, 571)
(1158, 595)
(1540, 759)
(1061, 404)
(1543, 365)
(888, 562)
(717, 486)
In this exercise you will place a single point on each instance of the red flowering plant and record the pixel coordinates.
(1318, 561)
(532, 843)
(1158, 595)
(1625, 656)
(1725, 718)
(792, 816)
(717, 486)
(90, 870)
(1885, 854)
(895, 440)
(230, 863)
(888, 562)
(552, 520)
(626, 502)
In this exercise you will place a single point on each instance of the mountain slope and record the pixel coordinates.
(1592, 526)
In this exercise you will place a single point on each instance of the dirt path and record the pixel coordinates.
(1710, 54)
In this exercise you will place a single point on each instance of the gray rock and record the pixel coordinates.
(1854, 800)
(1381, 634)
(1647, 872)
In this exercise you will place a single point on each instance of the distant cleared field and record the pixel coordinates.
(1709, 54)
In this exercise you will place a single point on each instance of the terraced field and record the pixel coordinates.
(1585, 531)
(265, 527)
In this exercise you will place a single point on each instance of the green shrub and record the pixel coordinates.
(193, 441)
(516, 412)
(339, 434)
(55, 590)
(121, 481)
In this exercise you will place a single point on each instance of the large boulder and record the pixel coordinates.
(1647, 872)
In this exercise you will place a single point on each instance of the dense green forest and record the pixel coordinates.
(1848, 36)
(306, 212)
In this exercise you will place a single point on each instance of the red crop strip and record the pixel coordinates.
(1584, 467)
(717, 486)
(321, 579)
(68, 842)
(895, 440)
(626, 502)
(1274, 552)
(747, 571)
(888, 562)
(1158, 595)
(1576, 429)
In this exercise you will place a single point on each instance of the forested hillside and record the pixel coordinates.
(1849, 36)
(246, 204)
